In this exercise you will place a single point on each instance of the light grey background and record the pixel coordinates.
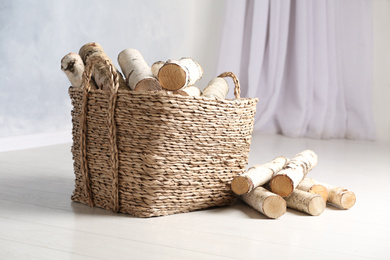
(36, 34)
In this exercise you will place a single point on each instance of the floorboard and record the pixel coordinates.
(39, 221)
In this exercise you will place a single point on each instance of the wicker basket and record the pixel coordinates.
(152, 153)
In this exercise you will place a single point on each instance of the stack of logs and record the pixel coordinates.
(272, 187)
(177, 77)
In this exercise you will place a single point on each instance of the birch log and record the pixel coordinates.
(309, 185)
(266, 202)
(339, 196)
(101, 72)
(73, 66)
(257, 175)
(156, 68)
(88, 49)
(177, 74)
(217, 87)
(138, 74)
(312, 204)
(286, 180)
(192, 91)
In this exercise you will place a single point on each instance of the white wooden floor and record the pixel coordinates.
(39, 221)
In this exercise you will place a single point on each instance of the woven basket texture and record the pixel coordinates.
(153, 153)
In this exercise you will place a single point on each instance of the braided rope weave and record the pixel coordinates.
(153, 153)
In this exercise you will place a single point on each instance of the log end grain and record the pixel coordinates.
(241, 185)
(316, 206)
(172, 76)
(148, 84)
(274, 206)
(282, 185)
(320, 190)
(347, 200)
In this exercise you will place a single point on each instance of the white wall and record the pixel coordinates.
(36, 34)
(381, 70)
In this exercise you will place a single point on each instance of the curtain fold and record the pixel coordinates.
(309, 62)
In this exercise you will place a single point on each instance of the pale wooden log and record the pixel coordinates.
(286, 180)
(312, 204)
(266, 202)
(73, 66)
(309, 185)
(177, 74)
(101, 72)
(88, 49)
(217, 87)
(138, 74)
(257, 175)
(192, 91)
(338, 196)
(156, 67)
(177, 92)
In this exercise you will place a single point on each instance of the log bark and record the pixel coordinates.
(257, 176)
(177, 92)
(266, 202)
(101, 73)
(338, 196)
(88, 49)
(73, 66)
(156, 68)
(138, 74)
(286, 180)
(312, 204)
(309, 185)
(217, 87)
(192, 91)
(177, 74)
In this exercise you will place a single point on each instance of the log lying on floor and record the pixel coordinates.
(286, 180)
(341, 197)
(138, 74)
(177, 74)
(217, 87)
(309, 185)
(338, 196)
(101, 72)
(312, 204)
(266, 202)
(257, 175)
(73, 66)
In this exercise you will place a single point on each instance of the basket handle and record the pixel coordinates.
(111, 125)
(237, 88)
(87, 74)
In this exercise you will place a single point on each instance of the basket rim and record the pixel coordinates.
(164, 94)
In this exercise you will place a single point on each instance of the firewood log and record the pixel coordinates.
(177, 74)
(192, 91)
(310, 186)
(138, 74)
(156, 67)
(338, 196)
(101, 73)
(217, 87)
(257, 175)
(312, 204)
(266, 202)
(73, 67)
(286, 180)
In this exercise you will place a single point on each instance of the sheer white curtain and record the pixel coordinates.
(309, 62)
